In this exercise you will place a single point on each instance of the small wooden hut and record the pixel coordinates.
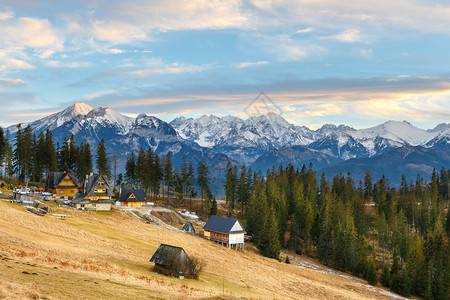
(188, 227)
(172, 260)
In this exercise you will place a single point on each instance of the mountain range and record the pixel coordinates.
(258, 142)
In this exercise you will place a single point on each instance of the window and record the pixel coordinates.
(72, 191)
(100, 183)
(62, 192)
(100, 190)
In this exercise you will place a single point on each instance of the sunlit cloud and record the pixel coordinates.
(33, 114)
(13, 64)
(347, 36)
(11, 82)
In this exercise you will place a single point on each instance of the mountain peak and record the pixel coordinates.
(81, 108)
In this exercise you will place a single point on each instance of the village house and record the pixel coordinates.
(62, 184)
(225, 231)
(131, 198)
(95, 194)
(172, 260)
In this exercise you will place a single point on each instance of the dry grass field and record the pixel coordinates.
(105, 255)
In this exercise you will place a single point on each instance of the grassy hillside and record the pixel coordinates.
(105, 255)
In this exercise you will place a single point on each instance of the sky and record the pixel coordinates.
(358, 63)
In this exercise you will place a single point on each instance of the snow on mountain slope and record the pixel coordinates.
(57, 119)
(398, 132)
(265, 131)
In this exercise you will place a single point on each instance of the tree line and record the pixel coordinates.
(156, 174)
(32, 157)
(396, 236)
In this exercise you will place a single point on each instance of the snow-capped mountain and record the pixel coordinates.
(259, 141)
(123, 135)
(243, 140)
(246, 140)
(57, 119)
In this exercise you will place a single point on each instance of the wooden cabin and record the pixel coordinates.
(62, 184)
(172, 260)
(225, 231)
(95, 194)
(131, 198)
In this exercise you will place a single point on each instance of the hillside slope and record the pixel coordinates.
(105, 255)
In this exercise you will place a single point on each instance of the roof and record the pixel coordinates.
(55, 178)
(188, 227)
(165, 254)
(91, 184)
(126, 195)
(80, 198)
(223, 225)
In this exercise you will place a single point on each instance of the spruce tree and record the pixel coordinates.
(230, 189)
(130, 170)
(371, 272)
(385, 276)
(269, 243)
(213, 210)
(168, 174)
(202, 177)
(102, 159)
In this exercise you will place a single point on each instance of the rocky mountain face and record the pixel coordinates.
(258, 142)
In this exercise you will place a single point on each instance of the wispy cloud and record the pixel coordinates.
(157, 66)
(69, 65)
(347, 36)
(251, 64)
(11, 82)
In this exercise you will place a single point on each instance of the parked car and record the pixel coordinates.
(46, 198)
(46, 194)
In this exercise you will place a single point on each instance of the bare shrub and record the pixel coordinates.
(196, 265)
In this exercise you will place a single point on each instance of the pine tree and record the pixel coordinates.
(213, 210)
(103, 166)
(269, 243)
(73, 153)
(385, 276)
(371, 272)
(51, 162)
(230, 189)
(416, 266)
(325, 247)
(202, 176)
(130, 170)
(141, 171)
(168, 174)
(84, 160)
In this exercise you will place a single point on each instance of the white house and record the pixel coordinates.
(225, 231)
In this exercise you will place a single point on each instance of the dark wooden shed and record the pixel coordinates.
(172, 260)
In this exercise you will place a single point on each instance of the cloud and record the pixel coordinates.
(157, 66)
(347, 36)
(284, 47)
(251, 64)
(368, 53)
(305, 30)
(69, 65)
(11, 82)
(114, 51)
(13, 64)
